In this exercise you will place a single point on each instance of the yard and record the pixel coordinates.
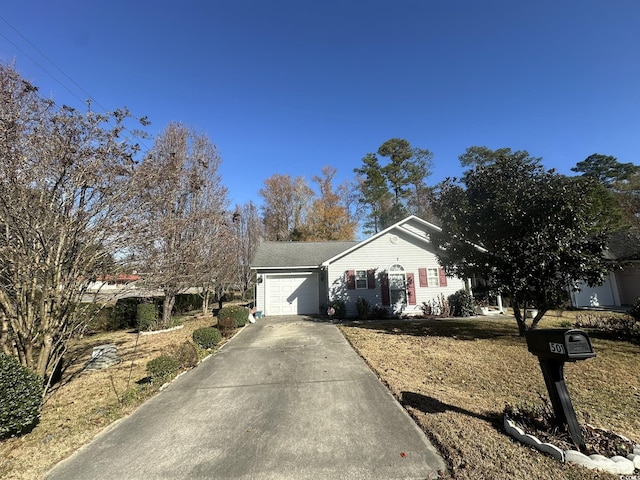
(454, 376)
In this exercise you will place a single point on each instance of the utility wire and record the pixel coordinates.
(42, 67)
(89, 96)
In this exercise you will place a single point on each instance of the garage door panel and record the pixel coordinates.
(292, 294)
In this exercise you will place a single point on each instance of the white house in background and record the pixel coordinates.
(621, 287)
(396, 268)
(113, 283)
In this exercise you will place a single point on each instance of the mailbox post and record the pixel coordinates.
(554, 347)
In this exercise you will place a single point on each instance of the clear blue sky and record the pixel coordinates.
(289, 86)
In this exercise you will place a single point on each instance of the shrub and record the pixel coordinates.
(187, 302)
(163, 367)
(339, 308)
(232, 317)
(618, 326)
(207, 337)
(21, 393)
(125, 313)
(186, 354)
(634, 311)
(363, 308)
(461, 304)
(438, 307)
(147, 317)
(380, 312)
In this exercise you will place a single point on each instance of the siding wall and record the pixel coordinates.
(380, 254)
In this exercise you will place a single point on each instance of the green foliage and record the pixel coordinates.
(339, 308)
(538, 231)
(605, 169)
(232, 317)
(187, 302)
(362, 306)
(125, 313)
(147, 317)
(186, 354)
(235, 312)
(21, 393)
(624, 327)
(207, 337)
(162, 368)
(379, 312)
(390, 191)
(634, 311)
(462, 304)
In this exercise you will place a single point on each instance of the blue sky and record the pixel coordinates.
(291, 86)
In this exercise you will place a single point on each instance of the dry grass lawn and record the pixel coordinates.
(87, 401)
(453, 376)
(456, 376)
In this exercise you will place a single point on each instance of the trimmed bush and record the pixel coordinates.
(380, 312)
(207, 337)
(186, 354)
(339, 309)
(232, 317)
(147, 317)
(125, 313)
(461, 304)
(163, 368)
(363, 308)
(21, 393)
(634, 311)
(187, 302)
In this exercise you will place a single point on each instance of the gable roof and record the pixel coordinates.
(297, 254)
(413, 226)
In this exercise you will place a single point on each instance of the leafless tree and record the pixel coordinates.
(65, 196)
(184, 203)
(286, 201)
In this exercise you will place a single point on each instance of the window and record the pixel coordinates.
(361, 279)
(433, 277)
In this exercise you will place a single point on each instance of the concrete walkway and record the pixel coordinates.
(286, 398)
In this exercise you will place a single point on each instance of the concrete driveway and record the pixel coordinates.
(286, 398)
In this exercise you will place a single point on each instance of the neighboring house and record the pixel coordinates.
(114, 283)
(622, 286)
(396, 268)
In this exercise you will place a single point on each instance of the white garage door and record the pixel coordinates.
(291, 294)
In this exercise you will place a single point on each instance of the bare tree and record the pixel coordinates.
(249, 233)
(184, 203)
(65, 193)
(286, 201)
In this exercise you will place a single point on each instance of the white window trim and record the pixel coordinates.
(433, 281)
(365, 278)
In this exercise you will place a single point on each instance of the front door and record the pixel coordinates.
(397, 288)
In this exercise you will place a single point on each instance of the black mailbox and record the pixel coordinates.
(554, 347)
(566, 345)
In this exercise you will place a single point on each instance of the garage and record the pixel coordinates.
(295, 294)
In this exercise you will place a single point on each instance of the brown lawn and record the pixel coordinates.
(456, 376)
(453, 376)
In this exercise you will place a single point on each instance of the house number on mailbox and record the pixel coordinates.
(556, 348)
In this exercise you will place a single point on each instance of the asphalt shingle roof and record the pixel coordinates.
(297, 254)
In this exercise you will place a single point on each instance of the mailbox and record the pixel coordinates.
(568, 345)
(554, 347)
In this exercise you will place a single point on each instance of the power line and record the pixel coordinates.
(42, 67)
(89, 96)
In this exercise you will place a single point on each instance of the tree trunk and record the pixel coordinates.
(167, 307)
